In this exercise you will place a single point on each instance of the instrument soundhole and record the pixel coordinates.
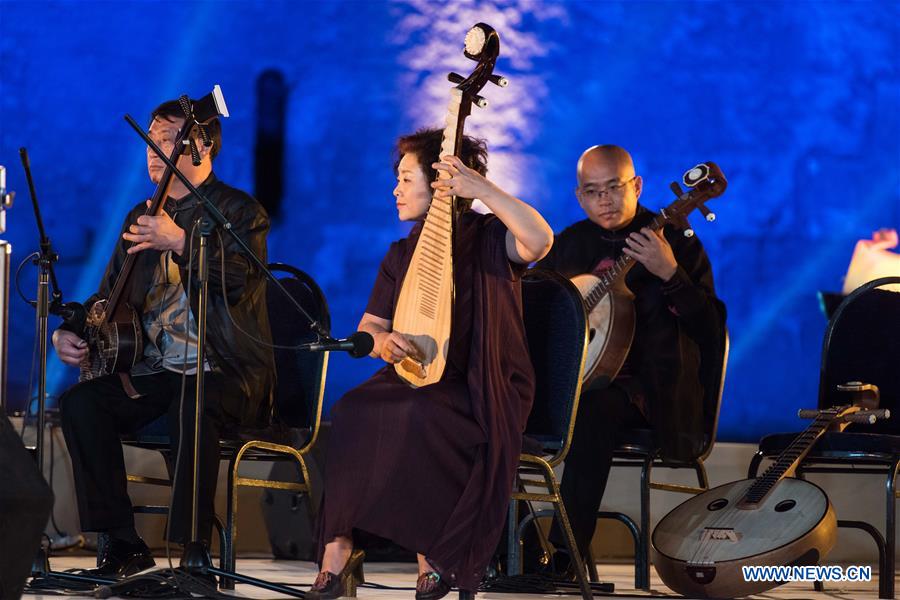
(591, 335)
(785, 505)
(717, 504)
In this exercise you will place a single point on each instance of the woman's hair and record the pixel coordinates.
(425, 144)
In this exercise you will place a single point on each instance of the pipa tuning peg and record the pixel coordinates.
(481, 101)
(455, 78)
(499, 80)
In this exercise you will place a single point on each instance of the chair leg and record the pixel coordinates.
(575, 555)
(228, 559)
(702, 478)
(223, 540)
(569, 537)
(642, 554)
(886, 576)
(879, 543)
(464, 595)
(513, 541)
(632, 528)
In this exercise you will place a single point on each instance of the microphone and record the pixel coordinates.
(358, 345)
(72, 313)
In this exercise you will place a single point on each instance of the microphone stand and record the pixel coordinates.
(195, 559)
(45, 259)
(45, 306)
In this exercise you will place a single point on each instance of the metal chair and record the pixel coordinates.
(862, 343)
(556, 326)
(297, 413)
(637, 449)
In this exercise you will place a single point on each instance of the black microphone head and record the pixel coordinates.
(362, 344)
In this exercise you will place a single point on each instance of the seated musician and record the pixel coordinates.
(677, 314)
(431, 468)
(239, 372)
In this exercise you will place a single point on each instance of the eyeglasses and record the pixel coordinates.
(614, 189)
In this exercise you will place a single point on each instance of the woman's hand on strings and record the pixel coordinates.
(394, 347)
(456, 179)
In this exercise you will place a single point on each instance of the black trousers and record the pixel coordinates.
(602, 414)
(95, 413)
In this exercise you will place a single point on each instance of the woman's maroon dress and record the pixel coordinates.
(432, 468)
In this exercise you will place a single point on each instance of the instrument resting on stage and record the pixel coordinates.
(609, 302)
(700, 547)
(113, 330)
(424, 308)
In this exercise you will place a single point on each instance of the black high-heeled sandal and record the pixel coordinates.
(329, 586)
(431, 586)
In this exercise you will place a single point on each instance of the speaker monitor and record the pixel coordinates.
(25, 504)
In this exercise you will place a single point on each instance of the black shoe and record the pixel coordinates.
(123, 559)
(329, 586)
(431, 586)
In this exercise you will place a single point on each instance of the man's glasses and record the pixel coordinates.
(614, 189)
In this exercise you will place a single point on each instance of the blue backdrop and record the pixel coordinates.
(797, 101)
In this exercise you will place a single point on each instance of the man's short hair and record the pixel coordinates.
(171, 110)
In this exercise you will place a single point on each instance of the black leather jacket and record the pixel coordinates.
(249, 364)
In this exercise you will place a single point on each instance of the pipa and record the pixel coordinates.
(425, 306)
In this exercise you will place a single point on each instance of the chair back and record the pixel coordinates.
(862, 343)
(556, 327)
(713, 375)
(300, 383)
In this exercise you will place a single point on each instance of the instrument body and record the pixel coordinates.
(609, 302)
(610, 327)
(700, 547)
(425, 305)
(114, 344)
(699, 551)
(113, 329)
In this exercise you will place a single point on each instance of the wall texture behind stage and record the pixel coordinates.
(798, 102)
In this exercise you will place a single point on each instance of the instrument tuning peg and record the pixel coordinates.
(481, 101)
(688, 233)
(676, 188)
(185, 102)
(708, 214)
(195, 154)
(204, 135)
(455, 78)
(499, 80)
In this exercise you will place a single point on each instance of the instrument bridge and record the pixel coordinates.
(719, 534)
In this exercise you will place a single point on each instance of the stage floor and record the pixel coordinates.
(403, 575)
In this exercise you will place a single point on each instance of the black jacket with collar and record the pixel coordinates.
(678, 330)
(250, 365)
